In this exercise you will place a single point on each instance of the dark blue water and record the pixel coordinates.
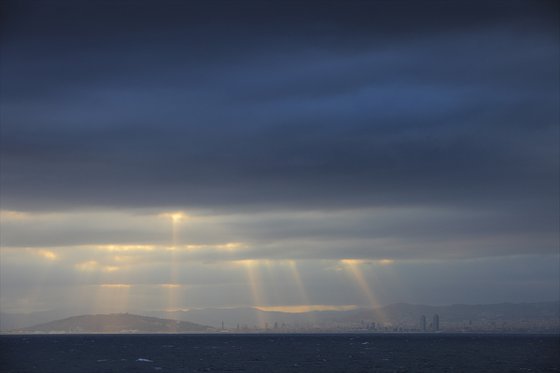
(280, 353)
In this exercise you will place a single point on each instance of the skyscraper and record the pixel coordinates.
(435, 322)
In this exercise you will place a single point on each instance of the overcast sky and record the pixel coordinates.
(171, 154)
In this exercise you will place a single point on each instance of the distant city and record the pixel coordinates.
(541, 317)
(423, 326)
(363, 326)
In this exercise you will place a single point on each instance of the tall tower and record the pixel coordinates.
(435, 322)
(423, 323)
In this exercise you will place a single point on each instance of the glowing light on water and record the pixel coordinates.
(307, 308)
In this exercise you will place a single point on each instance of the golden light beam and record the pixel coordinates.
(353, 267)
(253, 276)
(297, 279)
(176, 218)
(300, 288)
(172, 290)
(110, 291)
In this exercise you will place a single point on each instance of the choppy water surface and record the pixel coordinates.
(280, 353)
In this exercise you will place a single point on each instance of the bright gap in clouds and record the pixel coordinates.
(141, 260)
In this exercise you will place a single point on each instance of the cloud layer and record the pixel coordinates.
(423, 136)
(285, 107)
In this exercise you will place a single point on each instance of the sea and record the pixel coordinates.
(270, 353)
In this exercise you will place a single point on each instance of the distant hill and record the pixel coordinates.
(116, 323)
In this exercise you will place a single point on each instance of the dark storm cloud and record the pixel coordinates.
(280, 105)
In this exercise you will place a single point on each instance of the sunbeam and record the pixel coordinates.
(301, 289)
(254, 279)
(353, 267)
(173, 287)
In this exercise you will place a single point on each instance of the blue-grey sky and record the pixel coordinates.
(183, 151)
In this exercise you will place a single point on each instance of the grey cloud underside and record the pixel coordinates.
(283, 108)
